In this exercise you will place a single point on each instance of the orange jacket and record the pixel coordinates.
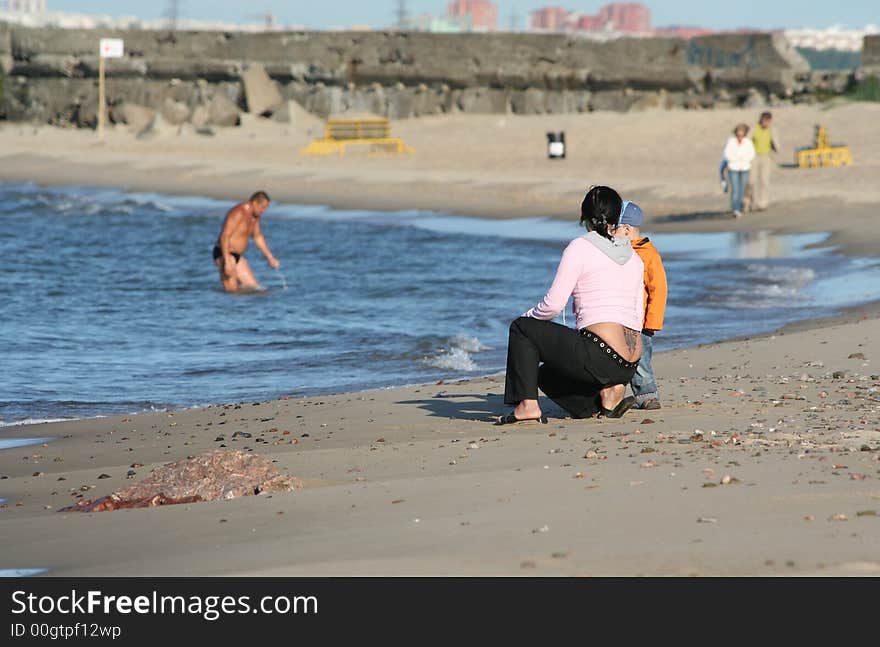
(655, 284)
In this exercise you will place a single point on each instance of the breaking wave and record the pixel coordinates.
(457, 355)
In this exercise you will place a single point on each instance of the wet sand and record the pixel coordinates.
(764, 460)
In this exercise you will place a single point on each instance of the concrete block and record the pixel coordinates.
(261, 93)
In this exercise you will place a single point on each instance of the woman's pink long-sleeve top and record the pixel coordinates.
(606, 280)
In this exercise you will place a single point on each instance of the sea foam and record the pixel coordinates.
(457, 356)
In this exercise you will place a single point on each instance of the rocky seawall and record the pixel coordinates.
(50, 75)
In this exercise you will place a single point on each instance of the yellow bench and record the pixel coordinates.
(823, 153)
(339, 133)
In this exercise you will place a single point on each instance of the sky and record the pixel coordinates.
(760, 14)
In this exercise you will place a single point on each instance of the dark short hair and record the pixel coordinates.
(766, 115)
(260, 196)
(601, 207)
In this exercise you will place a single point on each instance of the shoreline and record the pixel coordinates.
(846, 314)
(850, 314)
(503, 173)
(784, 218)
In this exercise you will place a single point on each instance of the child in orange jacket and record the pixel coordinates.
(644, 385)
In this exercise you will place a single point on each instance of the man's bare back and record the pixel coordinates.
(241, 224)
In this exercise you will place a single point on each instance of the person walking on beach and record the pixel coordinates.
(241, 224)
(736, 159)
(765, 142)
(643, 383)
(584, 370)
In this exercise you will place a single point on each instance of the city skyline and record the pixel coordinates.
(784, 14)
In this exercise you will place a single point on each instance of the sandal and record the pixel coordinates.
(617, 412)
(511, 419)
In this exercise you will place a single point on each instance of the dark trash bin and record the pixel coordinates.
(556, 145)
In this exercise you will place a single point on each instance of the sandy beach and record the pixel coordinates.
(764, 460)
(416, 481)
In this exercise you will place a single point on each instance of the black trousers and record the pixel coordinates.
(576, 365)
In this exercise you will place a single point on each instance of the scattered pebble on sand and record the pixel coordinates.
(544, 528)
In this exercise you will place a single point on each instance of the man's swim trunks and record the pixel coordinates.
(218, 253)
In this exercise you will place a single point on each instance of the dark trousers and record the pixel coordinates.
(576, 366)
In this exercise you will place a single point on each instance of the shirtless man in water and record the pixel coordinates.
(242, 222)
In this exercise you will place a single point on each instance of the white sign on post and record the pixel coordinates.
(107, 48)
(111, 48)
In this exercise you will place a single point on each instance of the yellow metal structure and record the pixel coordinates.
(340, 133)
(823, 153)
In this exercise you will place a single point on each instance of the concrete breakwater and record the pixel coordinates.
(871, 53)
(51, 74)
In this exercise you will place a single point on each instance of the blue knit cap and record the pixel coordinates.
(631, 214)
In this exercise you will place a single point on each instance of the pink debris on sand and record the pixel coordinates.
(212, 475)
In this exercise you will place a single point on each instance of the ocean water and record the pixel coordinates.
(111, 302)
(15, 443)
(21, 572)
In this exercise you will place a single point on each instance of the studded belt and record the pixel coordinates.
(603, 345)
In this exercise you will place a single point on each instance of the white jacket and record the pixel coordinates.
(738, 155)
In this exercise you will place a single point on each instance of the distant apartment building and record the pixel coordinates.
(26, 6)
(628, 17)
(549, 19)
(618, 17)
(483, 14)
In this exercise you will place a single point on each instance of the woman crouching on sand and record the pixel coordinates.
(584, 371)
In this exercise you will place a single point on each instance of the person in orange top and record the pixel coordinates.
(644, 385)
